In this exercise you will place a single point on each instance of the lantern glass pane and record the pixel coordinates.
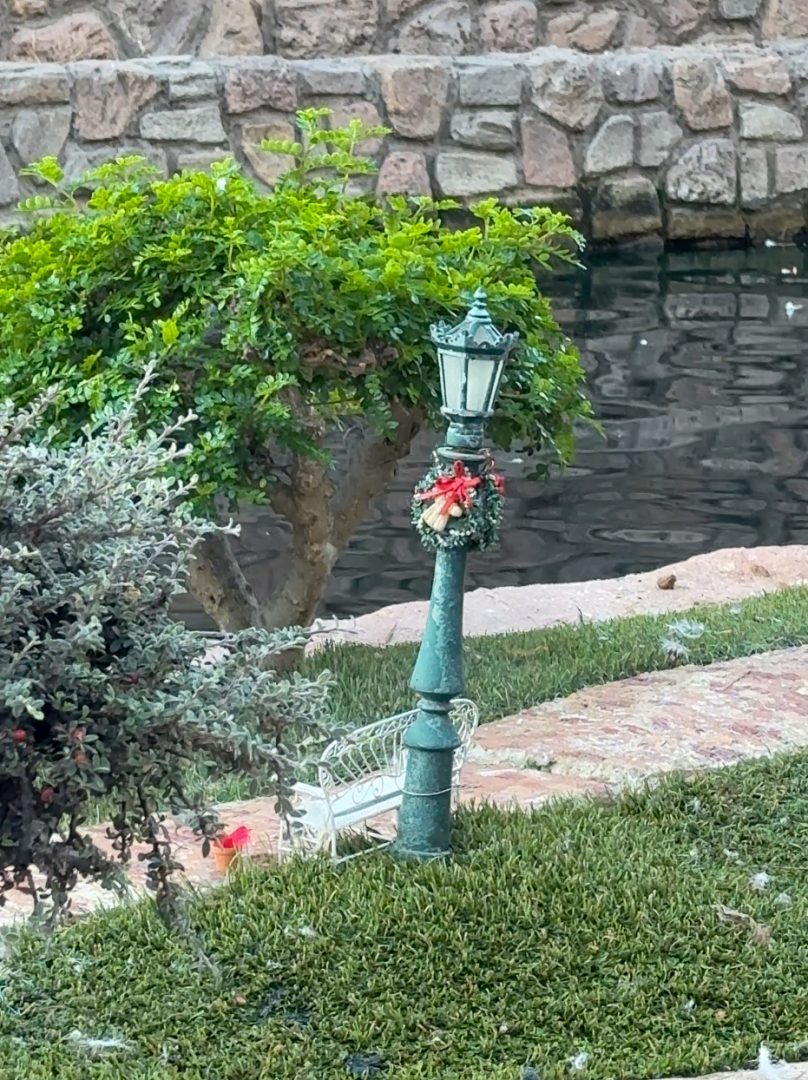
(452, 368)
(483, 378)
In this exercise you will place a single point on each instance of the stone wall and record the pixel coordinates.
(684, 142)
(67, 30)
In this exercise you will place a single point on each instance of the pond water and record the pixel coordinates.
(697, 365)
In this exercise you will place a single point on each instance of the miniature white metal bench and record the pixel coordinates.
(361, 776)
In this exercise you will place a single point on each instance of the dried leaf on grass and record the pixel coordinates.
(759, 932)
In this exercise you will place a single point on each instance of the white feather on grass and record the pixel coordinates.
(578, 1062)
(98, 1047)
(760, 882)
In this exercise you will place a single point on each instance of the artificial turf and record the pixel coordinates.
(582, 935)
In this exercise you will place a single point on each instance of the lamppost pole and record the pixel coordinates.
(463, 495)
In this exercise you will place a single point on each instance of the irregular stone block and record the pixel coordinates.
(33, 84)
(28, 9)
(75, 37)
(415, 94)
(198, 160)
(754, 173)
(565, 202)
(443, 29)
(38, 133)
(681, 17)
(198, 81)
(578, 30)
(705, 173)
(397, 8)
(108, 97)
(638, 32)
(625, 207)
(738, 9)
(687, 224)
(795, 57)
(790, 169)
(489, 82)
(325, 77)
(268, 167)
(9, 185)
(701, 93)
(262, 83)
(508, 26)
(344, 111)
(546, 155)
(785, 19)
(632, 78)
(759, 121)
(612, 148)
(404, 172)
(567, 89)
(779, 223)
(760, 73)
(77, 160)
(463, 173)
(659, 133)
(316, 28)
(202, 124)
(155, 27)
(492, 130)
(233, 30)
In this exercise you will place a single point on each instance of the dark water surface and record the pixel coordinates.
(697, 366)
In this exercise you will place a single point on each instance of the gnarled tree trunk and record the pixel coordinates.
(324, 512)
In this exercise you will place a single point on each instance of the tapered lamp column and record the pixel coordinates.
(471, 358)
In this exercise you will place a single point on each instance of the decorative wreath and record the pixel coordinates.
(453, 508)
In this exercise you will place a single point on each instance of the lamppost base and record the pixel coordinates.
(404, 854)
(425, 816)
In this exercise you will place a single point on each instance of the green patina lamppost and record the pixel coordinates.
(457, 508)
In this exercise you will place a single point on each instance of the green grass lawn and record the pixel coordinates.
(582, 928)
(510, 672)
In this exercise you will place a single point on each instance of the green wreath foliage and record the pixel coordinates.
(479, 527)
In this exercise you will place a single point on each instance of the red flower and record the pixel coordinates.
(19, 735)
(499, 482)
(46, 795)
(236, 839)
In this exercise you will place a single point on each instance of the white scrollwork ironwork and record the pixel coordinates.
(361, 776)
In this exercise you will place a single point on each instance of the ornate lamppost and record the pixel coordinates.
(457, 508)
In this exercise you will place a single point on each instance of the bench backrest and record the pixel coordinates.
(367, 759)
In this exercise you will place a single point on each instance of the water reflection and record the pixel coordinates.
(697, 367)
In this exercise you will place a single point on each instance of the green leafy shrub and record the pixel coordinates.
(102, 694)
(278, 319)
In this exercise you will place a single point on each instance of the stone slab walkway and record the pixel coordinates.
(718, 577)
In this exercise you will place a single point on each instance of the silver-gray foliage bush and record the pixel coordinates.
(102, 694)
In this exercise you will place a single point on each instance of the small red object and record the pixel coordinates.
(46, 795)
(19, 735)
(235, 840)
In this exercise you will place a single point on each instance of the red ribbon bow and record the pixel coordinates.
(456, 489)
